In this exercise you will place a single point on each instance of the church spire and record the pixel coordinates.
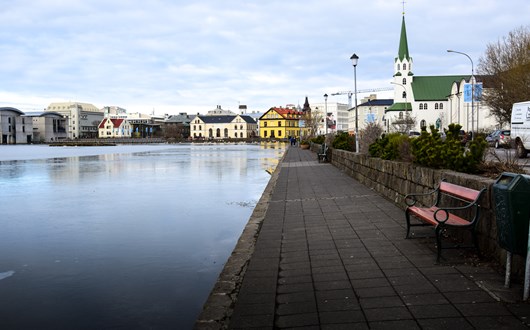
(403, 52)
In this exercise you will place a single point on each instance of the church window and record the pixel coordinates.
(424, 106)
(404, 66)
(404, 95)
(423, 124)
(398, 67)
(421, 106)
(400, 115)
(441, 106)
(435, 106)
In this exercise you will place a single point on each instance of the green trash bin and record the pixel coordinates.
(512, 211)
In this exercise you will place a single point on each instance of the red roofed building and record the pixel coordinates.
(280, 123)
(114, 128)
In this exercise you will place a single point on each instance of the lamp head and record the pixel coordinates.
(354, 59)
(326, 96)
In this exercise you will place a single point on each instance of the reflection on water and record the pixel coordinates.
(122, 238)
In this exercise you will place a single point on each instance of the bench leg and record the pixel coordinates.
(407, 216)
(438, 232)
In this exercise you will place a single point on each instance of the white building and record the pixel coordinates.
(82, 118)
(223, 127)
(15, 128)
(48, 126)
(337, 116)
(114, 128)
(370, 110)
(434, 100)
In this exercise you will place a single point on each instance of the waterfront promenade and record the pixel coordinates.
(331, 254)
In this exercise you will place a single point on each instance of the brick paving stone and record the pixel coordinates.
(297, 320)
(295, 287)
(459, 323)
(388, 314)
(424, 299)
(433, 311)
(415, 289)
(381, 302)
(370, 283)
(381, 291)
(295, 297)
(476, 296)
(335, 294)
(324, 277)
(483, 309)
(330, 305)
(497, 322)
(300, 307)
(332, 285)
(345, 326)
(295, 279)
(349, 316)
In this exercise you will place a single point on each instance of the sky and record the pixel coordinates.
(171, 56)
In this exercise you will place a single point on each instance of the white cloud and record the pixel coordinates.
(180, 55)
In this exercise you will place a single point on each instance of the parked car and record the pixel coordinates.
(499, 138)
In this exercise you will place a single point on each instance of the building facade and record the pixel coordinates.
(336, 115)
(15, 128)
(48, 126)
(223, 127)
(280, 123)
(114, 128)
(83, 118)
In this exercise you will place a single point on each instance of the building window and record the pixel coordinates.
(240, 126)
(435, 106)
(441, 106)
(279, 124)
(218, 132)
(423, 124)
(226, 132)
(264, 124)
(404, 66)
(264, 133)
(200, 128)
(424, 106)
(194, 127)
(404, 81)
(400, 115)
(398, 67)
(279, 133)
(404, 95)
(235, 127)
(421, 106)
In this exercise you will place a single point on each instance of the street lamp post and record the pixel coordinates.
(354, 59)
(326, 115)
(472, 92)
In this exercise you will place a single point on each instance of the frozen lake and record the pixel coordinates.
(129, 237)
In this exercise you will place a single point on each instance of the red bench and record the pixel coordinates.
(464, 215)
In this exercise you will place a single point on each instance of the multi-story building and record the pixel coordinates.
(280, 123)
(370, 110)
(48, 126)
(83, 118)
(336, 115)
(15, 128)
(114, 128)
(223, 127)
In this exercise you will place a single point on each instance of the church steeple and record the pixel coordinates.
(403, 52)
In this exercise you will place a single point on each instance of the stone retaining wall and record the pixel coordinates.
(394, 180)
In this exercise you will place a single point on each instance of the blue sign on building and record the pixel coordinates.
(467, 92)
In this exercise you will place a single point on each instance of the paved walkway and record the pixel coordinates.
(331, 254)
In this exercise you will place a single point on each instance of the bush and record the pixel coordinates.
(430, 150)
(393, 146)
(344, 141)
(318, 139)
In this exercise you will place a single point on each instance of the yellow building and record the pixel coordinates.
(280, 123)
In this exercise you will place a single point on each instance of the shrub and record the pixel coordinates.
(344, 141)
(318, 139)
(393, 146)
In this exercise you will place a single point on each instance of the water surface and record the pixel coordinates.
(124, 237)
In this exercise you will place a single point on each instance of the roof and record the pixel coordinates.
(216, 119)
(248, 119)
(284, 113)
(378, 102)
(403, 51)
(115, 122)
(43, 114)
(434, 88)
(400, 106)
(11, 109)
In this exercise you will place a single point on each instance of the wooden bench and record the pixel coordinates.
(323, 153)
(464, 215)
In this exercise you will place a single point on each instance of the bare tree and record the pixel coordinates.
(506, 70)
(312, 121)
(404, 124)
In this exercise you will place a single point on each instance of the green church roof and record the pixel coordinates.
(434, 88)
(403, 52)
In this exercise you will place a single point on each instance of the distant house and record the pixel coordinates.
(280, 123)
(177, 126)
(223, 127)
(15, 128)
(114, 128)
(48, 126)
(82, 118)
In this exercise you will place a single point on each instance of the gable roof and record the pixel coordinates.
(115, 122)
(434, 88)
(248, 119)
(289, 114)
(216, 119)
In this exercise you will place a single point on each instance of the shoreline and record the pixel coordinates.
(219, 305)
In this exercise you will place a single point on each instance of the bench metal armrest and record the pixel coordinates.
(447, 211)
(411, 199)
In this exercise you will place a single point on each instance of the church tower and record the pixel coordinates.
(403, 75)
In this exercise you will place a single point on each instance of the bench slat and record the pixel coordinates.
(459, 191)
(427, 215)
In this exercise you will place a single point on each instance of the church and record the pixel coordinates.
(435, 100)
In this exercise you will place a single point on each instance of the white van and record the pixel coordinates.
(521, 128)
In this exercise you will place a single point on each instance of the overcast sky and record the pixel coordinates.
(189, 56)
